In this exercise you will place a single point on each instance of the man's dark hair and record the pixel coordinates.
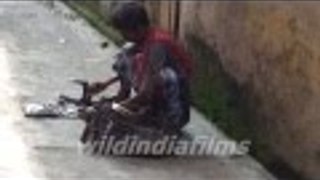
(130, 16)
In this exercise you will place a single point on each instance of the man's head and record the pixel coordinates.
(131, 20)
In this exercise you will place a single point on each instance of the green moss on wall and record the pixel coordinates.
(220, 98)
(229, 106)
(214, 92)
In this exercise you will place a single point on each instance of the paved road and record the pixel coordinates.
(40, 49)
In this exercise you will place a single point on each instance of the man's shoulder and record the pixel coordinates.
(158, 35)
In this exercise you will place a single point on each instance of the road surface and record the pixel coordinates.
(40, 50)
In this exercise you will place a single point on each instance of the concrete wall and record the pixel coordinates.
(162, 13)
(272, 50)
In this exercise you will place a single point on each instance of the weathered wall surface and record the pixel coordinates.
(162, 13)
(273, 50)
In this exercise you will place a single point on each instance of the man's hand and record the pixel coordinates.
(122, 110)
(96, 88)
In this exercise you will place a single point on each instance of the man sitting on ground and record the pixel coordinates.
(156, 69)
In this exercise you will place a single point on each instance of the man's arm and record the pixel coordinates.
(98, 87)
(123, 93)
(157, 56)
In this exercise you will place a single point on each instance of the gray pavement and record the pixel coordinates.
(40, 50)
